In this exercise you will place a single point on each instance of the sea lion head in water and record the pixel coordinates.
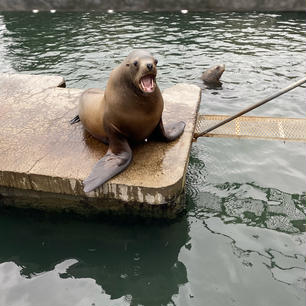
(130, 110)
(212, 75)
(142, 70)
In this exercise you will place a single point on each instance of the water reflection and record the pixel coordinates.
(244, 202)
(235, 264)
(284, 252)
(249, 240)
(134, 261)
(256, 206)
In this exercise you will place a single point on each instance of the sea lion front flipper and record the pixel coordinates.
(168, 132)
(116, 159)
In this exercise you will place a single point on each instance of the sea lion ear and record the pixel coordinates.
(127, 65)
(155, 61)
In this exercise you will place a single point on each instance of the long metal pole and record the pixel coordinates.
(292, 86)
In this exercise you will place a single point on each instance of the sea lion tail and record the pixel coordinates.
(74, 120)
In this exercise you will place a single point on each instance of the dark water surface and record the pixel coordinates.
(242, 241)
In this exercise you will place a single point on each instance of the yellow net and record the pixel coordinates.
(254, 127)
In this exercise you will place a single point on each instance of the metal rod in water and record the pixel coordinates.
(292, 86)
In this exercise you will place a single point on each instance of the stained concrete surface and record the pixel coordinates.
(44, 159)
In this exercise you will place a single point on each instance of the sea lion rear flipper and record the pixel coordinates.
(116, 159)
(168, 132)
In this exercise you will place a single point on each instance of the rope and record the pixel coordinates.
(290, 87)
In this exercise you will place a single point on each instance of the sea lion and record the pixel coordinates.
(129, 111)
(212, 75)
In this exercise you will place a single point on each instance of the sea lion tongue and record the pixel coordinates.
(147, 83)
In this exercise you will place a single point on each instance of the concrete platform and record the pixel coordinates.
(43, 159)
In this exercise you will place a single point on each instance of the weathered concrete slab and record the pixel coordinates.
(43, 159)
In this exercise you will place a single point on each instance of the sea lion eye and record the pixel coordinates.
(135, 63)
(155, 61)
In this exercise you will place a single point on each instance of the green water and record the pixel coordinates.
(242, 240)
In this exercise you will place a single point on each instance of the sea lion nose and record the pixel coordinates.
(150, 66)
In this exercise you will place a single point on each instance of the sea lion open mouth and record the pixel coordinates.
(147, 83)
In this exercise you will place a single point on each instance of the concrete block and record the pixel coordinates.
(44, 159)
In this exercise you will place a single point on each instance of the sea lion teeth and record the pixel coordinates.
(147, 83)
